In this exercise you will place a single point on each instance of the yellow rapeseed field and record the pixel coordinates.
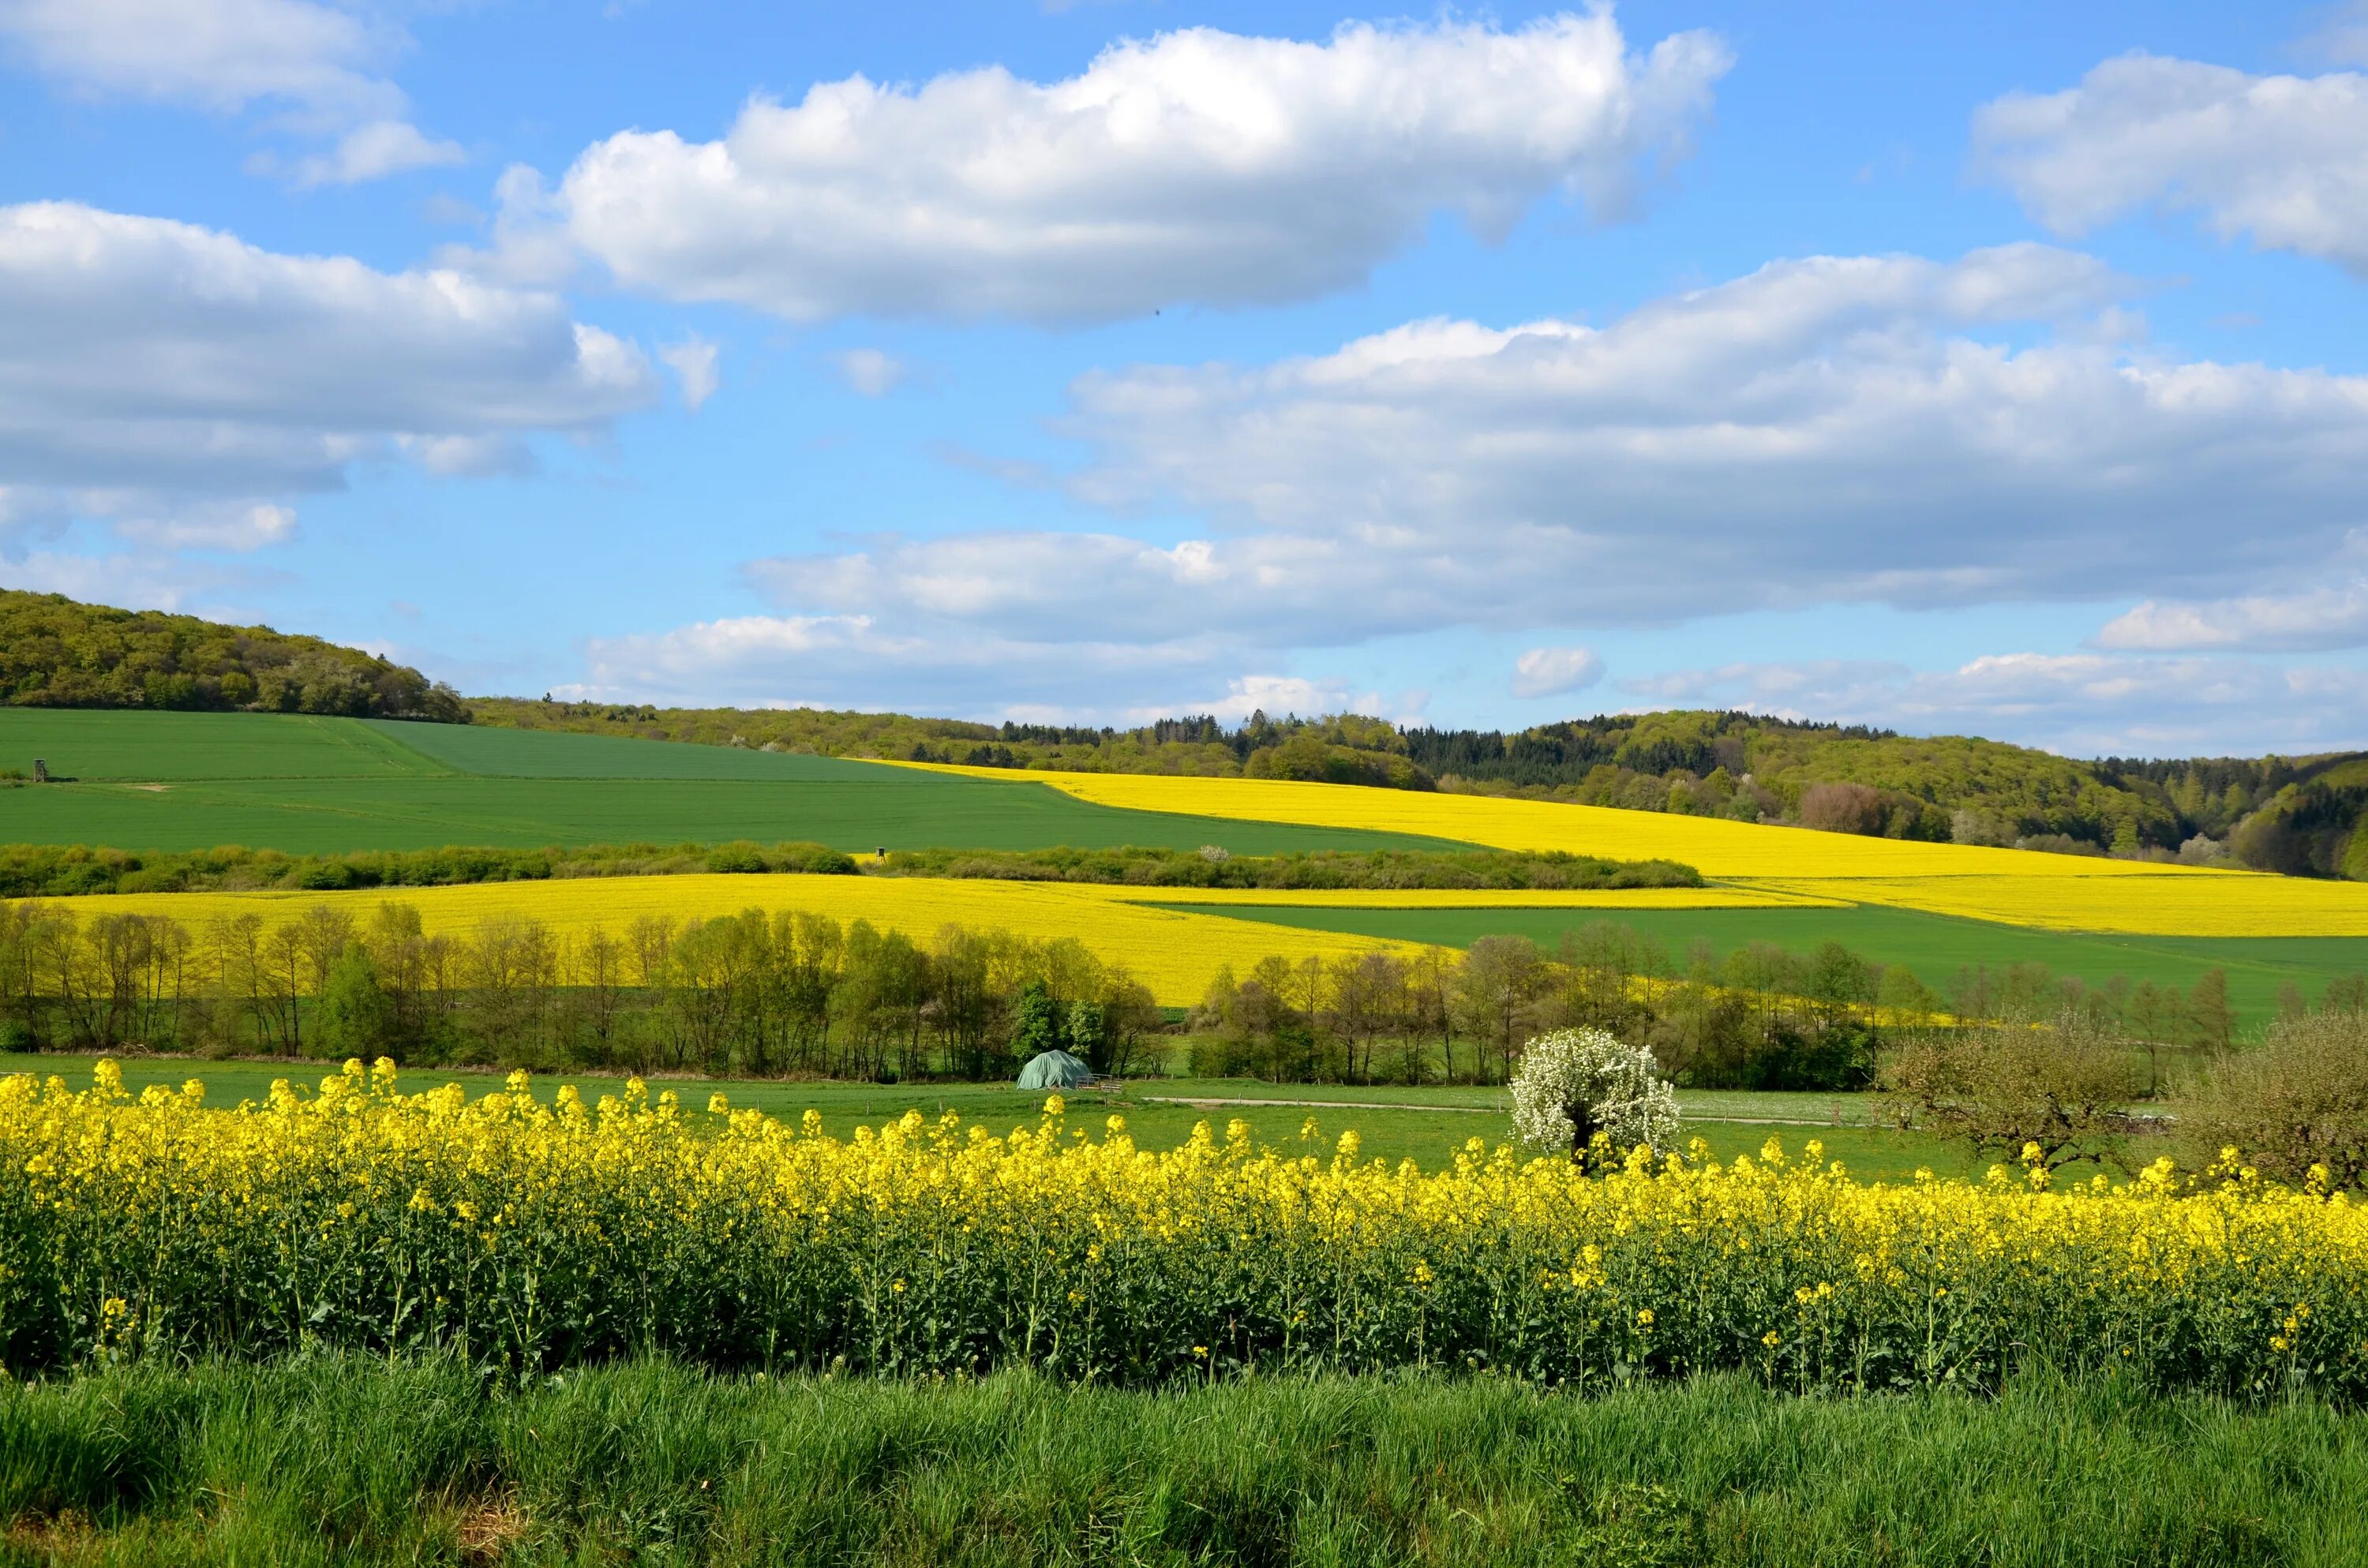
(530, 1236)
(1176, 953)
(2016, 886)
(1610, 902)
(2228, 905)
(1716, 847)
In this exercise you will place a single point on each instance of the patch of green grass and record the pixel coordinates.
(1933, 947)
(150, 748)
(178, 782)
(348, 1461)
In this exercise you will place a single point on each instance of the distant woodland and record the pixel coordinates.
(58, 653)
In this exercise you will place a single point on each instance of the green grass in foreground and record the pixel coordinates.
(1933, 947)
(1430, 1136)
(173, 781)
(349, 1461)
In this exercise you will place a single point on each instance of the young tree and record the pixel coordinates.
(2210, 1020)
(1500, 979)
(1036, 1022)
(1575, 1083)
(2059, 1085)
(355, 1016)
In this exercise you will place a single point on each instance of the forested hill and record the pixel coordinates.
(58, 653)
(2280, 813)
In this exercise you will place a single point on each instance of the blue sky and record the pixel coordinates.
(1995, 369)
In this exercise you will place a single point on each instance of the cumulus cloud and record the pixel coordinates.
(1835, 428)
(1550, 671)
(2083, 704)
(1196, 166)
(319, 65)
(181, 383)
(692, 360)
(2276, 158)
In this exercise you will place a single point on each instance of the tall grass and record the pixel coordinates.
(328, 1459)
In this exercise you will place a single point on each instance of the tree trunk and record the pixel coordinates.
(1582, 1130)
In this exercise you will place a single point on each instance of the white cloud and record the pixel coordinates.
(319, 65)
(2081, 704)
(143, 579)
(692, 360)
(371, 151)
(235, 528)
(849, 660)
(1837, 428)
(1198, 167)
(2277, 158)
(166, 378)
(2322, 619)
(1551, 672)
(871, 372)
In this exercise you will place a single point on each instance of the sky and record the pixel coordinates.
(1994, 369)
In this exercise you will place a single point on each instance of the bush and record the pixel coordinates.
(2298, 1100)
(738, 857)
(2058, 1085)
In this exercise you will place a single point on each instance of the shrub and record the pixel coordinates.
(2297, 1100)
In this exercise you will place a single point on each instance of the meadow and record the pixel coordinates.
(171, 781)
(343, 1459)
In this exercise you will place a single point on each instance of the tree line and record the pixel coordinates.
(1760, 1016)
(794, 992)
(757, 993)
(37, 870)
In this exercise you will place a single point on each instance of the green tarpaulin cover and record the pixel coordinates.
(1055, 1070)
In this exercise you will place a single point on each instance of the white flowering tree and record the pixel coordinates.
(1574, 1084)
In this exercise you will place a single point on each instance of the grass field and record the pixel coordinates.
(330, 1460)
(170, 781)
(1934, 947)
(1160, 1113)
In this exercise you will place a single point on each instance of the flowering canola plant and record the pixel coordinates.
(531, 1235)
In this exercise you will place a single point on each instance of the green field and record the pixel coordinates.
(1933, 947)
(306, 785)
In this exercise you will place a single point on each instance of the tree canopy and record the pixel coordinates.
(58, 653)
